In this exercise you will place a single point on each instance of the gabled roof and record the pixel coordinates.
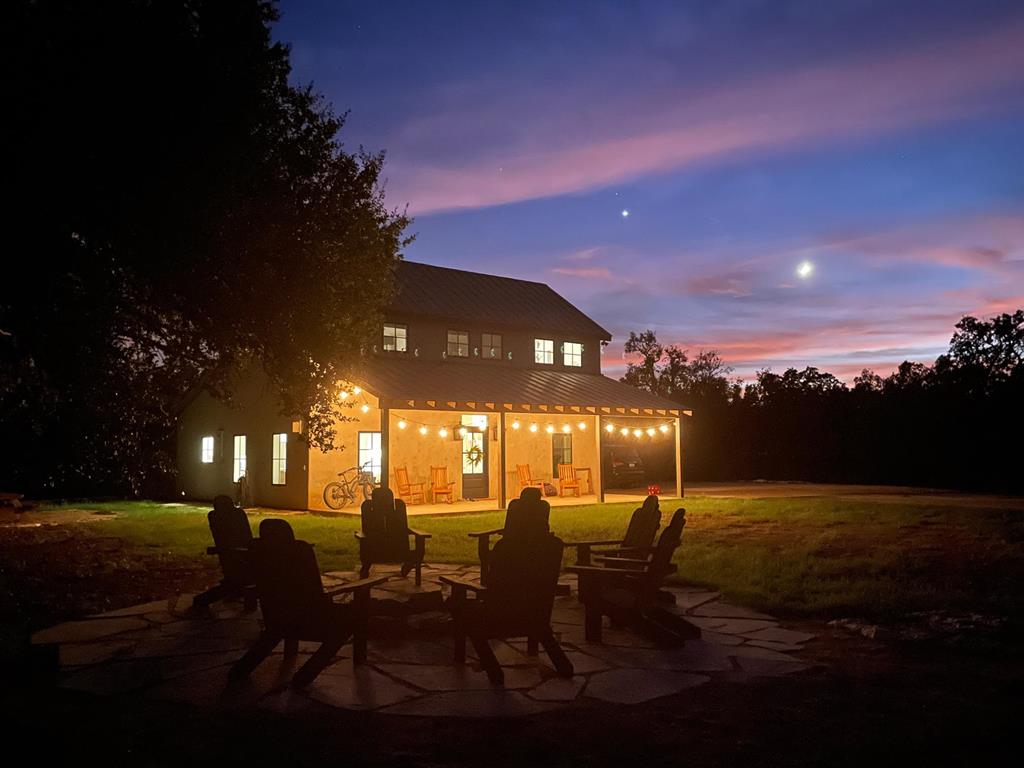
(451, 385)
(423, 289)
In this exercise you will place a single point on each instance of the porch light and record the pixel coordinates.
(356, 390)
(663, 428)
(549, 429)
(624, 431)
(442, 432)
(462, 431)
(650, 431)
(342, 395)
(364, 408)
(609, 428)
(533, 427)
(582, 426)
(637, 433)
(566, 428)
(423, 430)
(515, 425)
(402, 424)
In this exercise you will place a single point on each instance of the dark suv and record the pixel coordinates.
(622, 467)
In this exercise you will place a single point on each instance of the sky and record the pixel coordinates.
(671, 165)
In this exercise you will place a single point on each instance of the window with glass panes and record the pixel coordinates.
(206, 450)
(279, 459)
(544, 351)
(396, 337)
(458, 343)
(572, 354)
(238, 461)
(491, 344)
(369, 454)
(561, 452)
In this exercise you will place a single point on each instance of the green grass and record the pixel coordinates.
(821, 557)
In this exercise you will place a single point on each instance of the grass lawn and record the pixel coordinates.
(820, 557)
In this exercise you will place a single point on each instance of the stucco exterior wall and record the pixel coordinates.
(325, 466)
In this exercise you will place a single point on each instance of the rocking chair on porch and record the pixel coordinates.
(567, 480)
(440, 486)
(525, 475)
(413, 493)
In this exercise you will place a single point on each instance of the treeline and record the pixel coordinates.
(957, 423)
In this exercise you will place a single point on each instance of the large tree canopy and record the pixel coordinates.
(179, 208)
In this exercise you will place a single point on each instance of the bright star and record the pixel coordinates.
(625, 213)
(804, 269)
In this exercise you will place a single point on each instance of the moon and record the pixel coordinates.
(804, 269)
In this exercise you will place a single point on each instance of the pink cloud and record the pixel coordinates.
(857, 97)
(598, 273)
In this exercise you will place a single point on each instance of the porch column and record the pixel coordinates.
(679, 457)
(501, 457)
(600, 465)
(385, 447)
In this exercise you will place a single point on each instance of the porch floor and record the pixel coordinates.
(490, 505)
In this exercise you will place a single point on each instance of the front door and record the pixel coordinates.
(474, 457)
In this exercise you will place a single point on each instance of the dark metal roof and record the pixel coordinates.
(423, 289)
(397, 382)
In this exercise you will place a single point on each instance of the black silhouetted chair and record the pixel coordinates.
(529, 515)
(516, 602)
(232, 539)
(386, 533)
(643, 525)
(624, 589)
(296, 607)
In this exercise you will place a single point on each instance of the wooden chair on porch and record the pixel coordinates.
(296, 607)
(567, 480)
(386, 533)
(643, 525)
(525, 475)
(232, 544)
(526, 516)
(411, 493)
(516, 602)
(440, 486)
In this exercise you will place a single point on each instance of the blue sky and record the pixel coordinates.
(881, 141)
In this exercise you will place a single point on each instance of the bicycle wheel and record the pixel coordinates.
(335, 495)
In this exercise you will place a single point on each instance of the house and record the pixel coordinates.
(474, 373)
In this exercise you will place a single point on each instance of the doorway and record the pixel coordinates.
(474, 457)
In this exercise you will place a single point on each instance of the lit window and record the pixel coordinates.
(279, 460)
(458, 343)
(561, 452)
(369, 454)
(396, 337)
(491, 343)
(238, 467)
(544, 351)
(206, 452)
(572, 354)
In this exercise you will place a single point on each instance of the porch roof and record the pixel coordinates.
(446, 386)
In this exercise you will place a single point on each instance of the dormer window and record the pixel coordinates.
(572, 354)
(396, 337)
(544, 351)
(491, 344)
(458, 343)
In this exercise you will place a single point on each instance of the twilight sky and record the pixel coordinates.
(881, 141)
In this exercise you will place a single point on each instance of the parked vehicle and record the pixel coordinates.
(622, 467)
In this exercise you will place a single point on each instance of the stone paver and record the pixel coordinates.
(168, 650)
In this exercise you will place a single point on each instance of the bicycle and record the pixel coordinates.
(339, 493)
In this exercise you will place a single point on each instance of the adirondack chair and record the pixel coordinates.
(638, 539)
(625, 588)
(525, 475)
(385, 535)
(567, 480)
(413, 493)
(440, 485)
(296, 606)
(232, 543)
(516, 602)
(527, 515)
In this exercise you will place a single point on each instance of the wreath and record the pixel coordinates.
(475, 455)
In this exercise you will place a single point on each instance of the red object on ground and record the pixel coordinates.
(653, 490)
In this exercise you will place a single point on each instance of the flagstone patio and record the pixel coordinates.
(166, 650)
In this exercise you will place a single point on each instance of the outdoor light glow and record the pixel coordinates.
(423, 430)
(515, 425)
(609, 428)
(663, 428)
(462, 431)
(401, 424)
(442, 432)
(364, 408)
(637, 433)
(624, 431)
(533, 427)
(342, 395)
(582, 426)
(804, 269)
(356, 390)
(549, 429)
(566, 428)
(650, 431)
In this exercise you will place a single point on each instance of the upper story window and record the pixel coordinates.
(544, 351)
(279, 460)
(396, 337)
(491, 344)
(206, 450)
(458, 343)
(572, 354)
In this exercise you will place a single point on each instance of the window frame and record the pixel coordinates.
(239, 468)
(401, 343)
(457, 343)
(566, 439)
(375, 469)
(279, 462)
(567, 355)
(207, 449)
(487, 351)
(541, 353)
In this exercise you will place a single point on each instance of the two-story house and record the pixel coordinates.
(487, 377)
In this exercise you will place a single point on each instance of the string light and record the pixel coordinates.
(364, 408)
(582, 426)
(442, 432)
(650, 431)
(566, 428)
(663, 428)
(515, 425)
(637, 433)
(343, 395)
(423, 430)
(402, 424)
(549, 429)
(356, 390)
(533, 427)
(609, 427)
(624, 431)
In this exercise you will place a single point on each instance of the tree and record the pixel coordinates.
(181, 209)
(644, 374)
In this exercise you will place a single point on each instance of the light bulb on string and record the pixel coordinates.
(442, 432)
(609, 428)
(582, 426)
(515, 425)
(402, 424)
(423, 430)
(650, 431)
(663, 428)
(533, 427)
(637, 433)
(566, 428)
